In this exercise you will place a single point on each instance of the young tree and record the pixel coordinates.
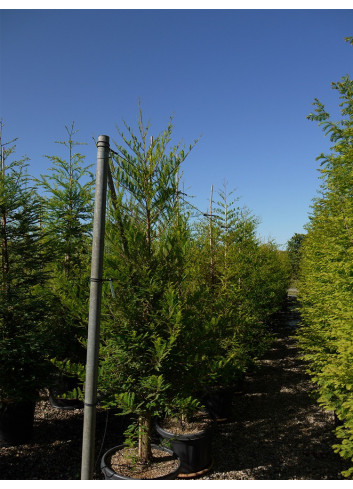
(235, 228)
(24, 327)
(242, 284)
(68, 207)
(145, 254)
(294, 247)
(67, 210)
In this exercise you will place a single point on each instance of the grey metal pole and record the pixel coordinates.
(89, 419)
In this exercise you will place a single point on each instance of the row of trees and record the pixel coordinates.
(188, 298)
(326, 278)
(196, 294)
(45, 257)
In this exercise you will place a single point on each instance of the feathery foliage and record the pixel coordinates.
(145, 254)
(326, 279)
(67, 211)
(24, 329)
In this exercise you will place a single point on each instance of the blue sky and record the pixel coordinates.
(243, 79)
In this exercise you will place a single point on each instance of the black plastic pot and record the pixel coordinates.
(63, 403)
(194, 451)
(218, 403)
(110, 474)
(64, 384)
(16, 422)
(218, 399)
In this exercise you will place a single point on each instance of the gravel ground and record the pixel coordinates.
(277, 431)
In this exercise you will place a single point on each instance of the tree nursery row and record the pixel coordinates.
(186, 304)
(326, 274)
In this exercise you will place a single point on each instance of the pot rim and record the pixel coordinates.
(190, 437)
(111, 472)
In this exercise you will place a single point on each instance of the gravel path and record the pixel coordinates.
(277, 430)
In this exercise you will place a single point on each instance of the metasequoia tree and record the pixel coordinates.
(67, 211)
(145, 254)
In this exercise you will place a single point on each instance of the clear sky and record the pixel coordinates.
(243, 79)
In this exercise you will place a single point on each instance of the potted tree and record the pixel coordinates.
(187, 429)
(221, 241)
(142, 326)
(24, 330)
(184, 425)
(242, 292)
(67, 207)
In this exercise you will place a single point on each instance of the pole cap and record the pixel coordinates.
(103, 140)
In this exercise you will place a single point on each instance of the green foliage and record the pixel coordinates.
(192, 301)
(294, 246)
(146, 241)
(24, 328)
(185, 407)
(243, 283)
(67, 209)
(326, 291)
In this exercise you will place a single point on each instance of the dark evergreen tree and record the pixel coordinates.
(294, 247)
(25, 333)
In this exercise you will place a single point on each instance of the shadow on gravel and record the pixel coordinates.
(57, 444)
(277, 431)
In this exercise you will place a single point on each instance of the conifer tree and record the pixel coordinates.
(242, 284)
(145, 254)
(67, 209)
(294, 251)
(24, 326)
(326, 272)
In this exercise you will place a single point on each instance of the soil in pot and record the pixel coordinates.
(16, 422)
(190, 441)
(120, 463)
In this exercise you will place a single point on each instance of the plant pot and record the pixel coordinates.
(110, 474)
(194, 451)
(16, 422)
(218, 403)
(63, 403)
(64, 384)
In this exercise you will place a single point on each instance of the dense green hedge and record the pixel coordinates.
(326, 278)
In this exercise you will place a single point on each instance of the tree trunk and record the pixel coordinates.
(144, 447)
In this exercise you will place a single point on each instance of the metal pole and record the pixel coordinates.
(89, 419)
